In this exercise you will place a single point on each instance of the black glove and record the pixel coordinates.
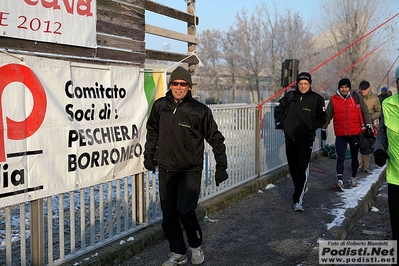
(220, 176)
(380, 157)
(149, 163)
(323, 134)
(369, 133)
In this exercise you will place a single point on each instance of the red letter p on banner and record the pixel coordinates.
(18, 130)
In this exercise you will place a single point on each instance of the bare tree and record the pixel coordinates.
(229, 41)
(288, 38)
(257, 44)
(345, 25)
(211, 57)
(251, 49)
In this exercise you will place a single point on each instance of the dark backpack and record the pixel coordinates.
(277, 123)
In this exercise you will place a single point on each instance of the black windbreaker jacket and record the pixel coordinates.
(180, 130)
(306, 113)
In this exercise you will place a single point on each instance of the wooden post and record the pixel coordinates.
(192, 30)
(37, 232)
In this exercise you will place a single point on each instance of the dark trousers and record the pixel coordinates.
(179, 193)
(298, 158)
(393, 203)
(341, 143)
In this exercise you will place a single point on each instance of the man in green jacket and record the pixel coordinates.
(387, 148)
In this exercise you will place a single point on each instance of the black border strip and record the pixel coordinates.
(18, 154)
(13, 193)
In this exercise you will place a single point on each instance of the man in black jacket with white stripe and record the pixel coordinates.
(301, 117)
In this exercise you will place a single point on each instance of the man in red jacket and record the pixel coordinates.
(351, 116)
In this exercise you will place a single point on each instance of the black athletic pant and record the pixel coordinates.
(341, 144)
(179, 193)
(298, 158)
(393, 203)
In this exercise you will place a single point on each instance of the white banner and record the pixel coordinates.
(71, 22)
(66, 126)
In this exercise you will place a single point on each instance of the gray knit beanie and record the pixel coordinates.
(181, 73)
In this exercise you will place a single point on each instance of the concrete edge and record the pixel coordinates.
(351, 218)
(353, 215)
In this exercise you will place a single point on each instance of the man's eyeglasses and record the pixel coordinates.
(304, 84)
(182, 84)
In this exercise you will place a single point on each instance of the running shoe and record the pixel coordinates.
(339, 186)
(354, 182)
(298, 207)
(175, 259)
(197, 256)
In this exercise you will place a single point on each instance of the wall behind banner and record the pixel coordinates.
(89, 125)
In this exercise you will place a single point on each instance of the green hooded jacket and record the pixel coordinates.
(388, 137)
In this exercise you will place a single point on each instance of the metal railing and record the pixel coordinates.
(83, 220)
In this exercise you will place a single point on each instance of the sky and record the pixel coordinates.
(217, 14)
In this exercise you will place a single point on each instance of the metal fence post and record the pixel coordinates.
(141, 214)
(37, 232)
(257, 141)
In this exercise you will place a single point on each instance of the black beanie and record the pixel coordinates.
(364, 85)
(304, 75)
(181, 73)
(346, 82)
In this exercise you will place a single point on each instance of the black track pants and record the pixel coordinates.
(298, 157)
(179, 193)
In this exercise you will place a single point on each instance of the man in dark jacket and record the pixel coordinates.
(178, 125)
(383, 95)
(301, 114)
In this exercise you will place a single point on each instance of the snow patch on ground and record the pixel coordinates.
(269, 186)
(351, 196)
